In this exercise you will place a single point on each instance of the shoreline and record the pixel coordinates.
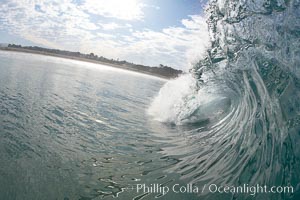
(83, 60)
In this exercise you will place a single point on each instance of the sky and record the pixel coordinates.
(148, 32)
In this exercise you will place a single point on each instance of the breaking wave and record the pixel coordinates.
(242, 99)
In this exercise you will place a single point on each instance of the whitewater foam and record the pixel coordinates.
(181, 101)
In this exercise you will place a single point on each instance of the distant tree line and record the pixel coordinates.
(161, 70)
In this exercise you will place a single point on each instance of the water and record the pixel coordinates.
(242, 99)
(72, 130)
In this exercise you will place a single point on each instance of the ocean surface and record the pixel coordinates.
(75, 130)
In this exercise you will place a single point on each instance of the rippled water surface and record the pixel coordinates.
(73, 130)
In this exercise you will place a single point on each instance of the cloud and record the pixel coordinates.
(113, 26)
(110, 26)
(65, 25)
(124, 10)
(176, 46)
(60, 22)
